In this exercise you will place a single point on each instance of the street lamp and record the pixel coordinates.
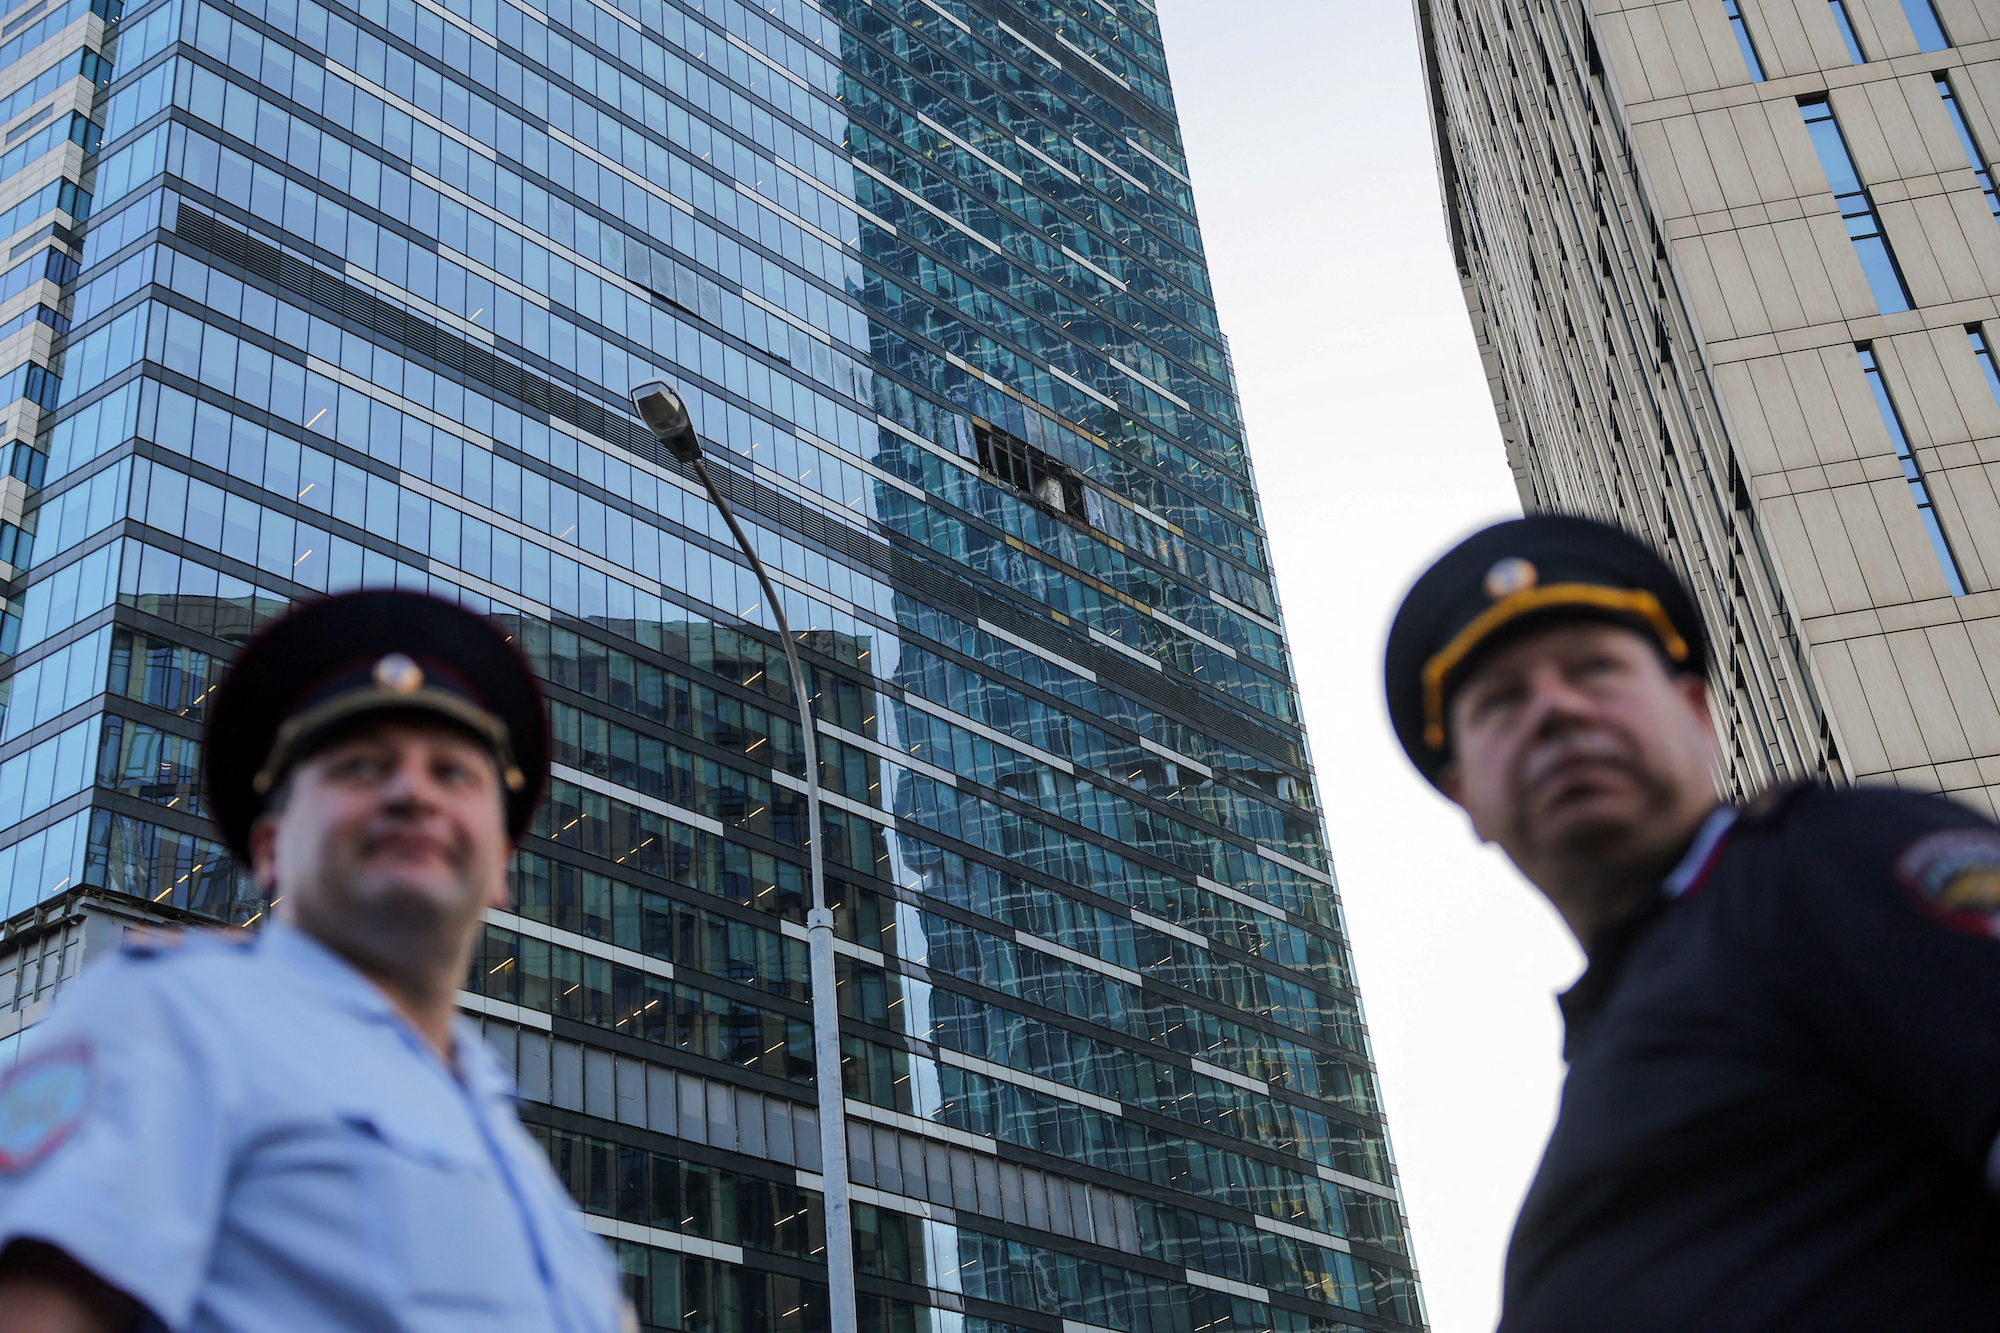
(666, 415)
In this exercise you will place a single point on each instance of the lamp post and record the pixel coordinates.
(661, 408)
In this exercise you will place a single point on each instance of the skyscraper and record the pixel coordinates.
(308, 296)
(1734, 267)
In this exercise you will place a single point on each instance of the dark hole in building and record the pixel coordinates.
(1021, 467)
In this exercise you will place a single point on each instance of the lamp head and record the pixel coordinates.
(666, 415)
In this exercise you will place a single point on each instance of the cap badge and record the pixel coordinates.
(1509, 576)
(399, 674)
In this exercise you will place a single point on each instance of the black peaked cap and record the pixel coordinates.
(332, 661)
(1484, 591)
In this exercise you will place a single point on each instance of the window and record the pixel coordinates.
(1846, 26)
(1021, 467)
(1982, 352)
(1893, 422)
(1972, 153)
(1924, 23)
(1734, 8)
(1857, 210)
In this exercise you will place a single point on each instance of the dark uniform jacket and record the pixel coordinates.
(1784, 1088)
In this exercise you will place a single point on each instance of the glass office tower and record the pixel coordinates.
(314, 294)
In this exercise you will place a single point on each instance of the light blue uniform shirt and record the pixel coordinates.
(247, 1136)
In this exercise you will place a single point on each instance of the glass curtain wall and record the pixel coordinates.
(318, 294)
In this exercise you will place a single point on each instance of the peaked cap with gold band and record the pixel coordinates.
(331, 662)
(1492, 586)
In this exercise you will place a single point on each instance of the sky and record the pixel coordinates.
(1375, 446)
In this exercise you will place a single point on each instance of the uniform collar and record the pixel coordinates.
(1695, 865)
(1613, 945)
(341, 983)
(326, 972)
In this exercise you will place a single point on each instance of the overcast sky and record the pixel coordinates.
(1375, 446)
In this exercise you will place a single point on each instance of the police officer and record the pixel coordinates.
(291, 1129)
(1784, 1054)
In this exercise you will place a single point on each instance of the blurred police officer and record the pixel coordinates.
(1784, 1053)
(292, 1130)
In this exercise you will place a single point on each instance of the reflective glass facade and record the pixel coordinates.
(306, 297)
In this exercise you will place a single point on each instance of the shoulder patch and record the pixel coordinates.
(42, 1099)
(1955, 875)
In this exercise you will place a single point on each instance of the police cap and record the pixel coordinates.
(332, 661)
(1488, 589)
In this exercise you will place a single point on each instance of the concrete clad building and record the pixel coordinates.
(315, 294)
(1734, 266)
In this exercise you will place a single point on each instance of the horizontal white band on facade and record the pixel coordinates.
(1050, 162)
(494, 276)
(812, 229)
(1242, 899)
(953, 138)
(1154, 158)
(430, 310)
(849, 949)
(755, 55)
(1152, 384)
(606, 787)
(529, 237)
(1099, 637)
(533, 536)
(889, 752)
(570, 939)
(664, 1240)
(1148, 743)
(927, 206)
(1075, 668)
(471, 30)
(978, 728)
(882, 1115)
(1169, 928)
(797, 787)
(1109, 277)
(1230, 1076)
(883, 223)
(1362, 1183)
(1025, 42)
(1254, 617)
(1076, 957)
(825, 504)
(412, 110)
(1094, 63)
(1318, 876)
(900, 1203)
(948, 16)
(786, 579)
(1123, 174)
(1208, 640)
(513, 1013)
(369, 389)
(779, 312)
(615, 13)
(504, 596)
(1160, 519)
(1197, 1278)
(1033, 1082)
(1323, 1239)
(1077, 384)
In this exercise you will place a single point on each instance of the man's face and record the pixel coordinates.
(1576, 742)
(391, 841)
